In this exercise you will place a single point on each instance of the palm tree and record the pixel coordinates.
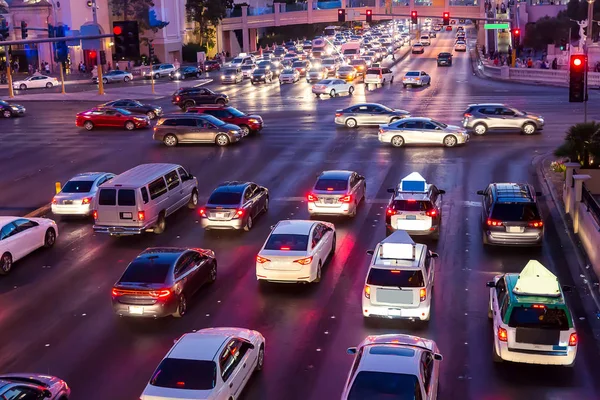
(582, 143)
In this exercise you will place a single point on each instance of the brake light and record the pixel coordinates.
(431, 213)
(536, 224)
(367, 291)
(467, 115)
(141, 215)
(116, 292)
(261, 260)
(573, 339)
(391, 211)
(284, 248)
(95, 214)
(494, 222)
(54, 201)
(502, 335)
(177, 98)
(239, 213)
(86, 200)
(339, 114)
(202, 212)
(346, 199)
(423, 294)
(381, 131)
(304, 261)
(181, 384)
(538, 306)
(311, 197)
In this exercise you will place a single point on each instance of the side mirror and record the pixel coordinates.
(491, 284)
(272, 227)
(567, 288)
(351, 350)
(391, 190)
(370, 252)
(442, 192)
(437, 357)
(434, 255)
(481, 192)
(538, 193)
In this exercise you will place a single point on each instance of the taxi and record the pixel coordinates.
(532, 323)
(415, 206)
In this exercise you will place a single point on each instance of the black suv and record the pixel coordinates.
(444, 59)
(511, 215)
(190, 96)
(418, 212)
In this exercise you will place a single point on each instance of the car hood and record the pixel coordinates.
(72, 196)
(255, 116)
(404, 113)
(454, 128)
(230, 127)
(530, 115)
(43, 221)
(15, 105)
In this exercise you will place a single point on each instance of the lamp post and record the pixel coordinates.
(588, 43)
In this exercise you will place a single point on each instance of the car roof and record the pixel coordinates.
(162, 254)
(198, 346)
(336, 174)
(422, 119)
(85, 176)
(512, 192)
(294, 226)
(393, 358)
(511, 282)
(232, 187)
(487, 105)
(142, 174)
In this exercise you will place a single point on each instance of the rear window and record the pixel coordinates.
(145, 271)
(413, 73)
(411, 205)
(396, 278)
(126, 197)
(331, 184)
(287, 242)
(107, 197)
(373, 71)
(225, 198)
(78, 187)
(175, 373)
(538, 316)
(385, 386)
(515, 212)
(351, 51)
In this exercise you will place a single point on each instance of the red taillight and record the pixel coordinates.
(573, 339)
(494, 222)
(346, 199)
(54, 201)
(535, 224)
(367, 291)
(239, 213)
(86, 200)
(311, 197)
(538, 306)
(116, 292)
(467, 115)
(431, 213)
(339, 114)
(180, 384)
(381, 131)
(261, 260)
(390, 211)
(141, 215)
(304, 261)
(423, 294)
(177, 98)
(502, 335)
(95, 214)
(161, 294)
(202, 212)
(284, 248)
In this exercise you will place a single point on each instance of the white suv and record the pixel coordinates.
(160, 70)
(378, 76)
(425, 41)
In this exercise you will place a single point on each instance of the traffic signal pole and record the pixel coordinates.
(61, 65)
(98, 62)
(11, 92)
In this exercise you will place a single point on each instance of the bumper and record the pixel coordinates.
(16, 113)
(158, 310)
(341, 209)
(61, 209)
(435, 228)
(421, 312)
(235, 224)
(228, 80)
(462, 139)
(286, 80)
(255, 80)
(305, 274)
(513, 239)
(444, 63)
(373, 81)
(412, 82)
(120, 230)
(533, 357)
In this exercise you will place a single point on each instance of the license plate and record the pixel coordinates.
(413, 217)
(328, 201)
(394, 313)
(68, 202)
(117, 229)
(220, 215)
(126, 215)
(137, 310)
(513, 229)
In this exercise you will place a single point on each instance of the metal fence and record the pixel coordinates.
(591, 204)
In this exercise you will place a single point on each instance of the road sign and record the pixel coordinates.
(496, 26)
(73, 42)
(89, 30)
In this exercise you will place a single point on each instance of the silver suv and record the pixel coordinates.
(483, 117)
(160, 70)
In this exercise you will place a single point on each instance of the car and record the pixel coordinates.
(182, 73)
(425, 41)
(532, 323)
(212, 65)
(460, 28)
(368, 114)
(511, 215)
(232, 75)
(416, 78)
(234, 205)
(261, 75)
(77, 195)
(415, 207)
(332, 87)
(346, 72)
(359, 65)
(241, 59)
(247, 70)
(109, 117)
(316, 74)
(331, 64)
(159, 71)
(378, 76)
(289, 75)
(275, 66)
(337, 192)
(247, 123)
(422, 131)
(211, 363)
(114, 76)
(35, 82)
(460, 46)
(433, 34)
(136, 107)
(11, 110)
(21, 236)
(448, 28)
(188, 97)
(27, 386)
(481, 118)
(394, 366)
(296, 251)
(193, 128)
(301, 66)
(161, 281)
(444, 59)
(417, 48)
(437, 27)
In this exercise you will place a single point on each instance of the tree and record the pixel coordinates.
(137, 10)
(582, 144)
(545, 31)
(207, 14)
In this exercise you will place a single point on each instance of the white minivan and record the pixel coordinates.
(140, 199)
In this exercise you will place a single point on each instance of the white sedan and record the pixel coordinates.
(416, 78)
(289, 75)
(396, 366)
(212, 363)
(332, 87)
(422, 131)
(35, 82)
(460, 46)
(21, 236)
(296, 251)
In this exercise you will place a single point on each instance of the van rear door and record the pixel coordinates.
(117, 207)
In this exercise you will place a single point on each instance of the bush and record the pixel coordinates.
(582, 144)
(189, 52)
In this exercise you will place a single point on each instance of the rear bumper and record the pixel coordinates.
(61, 209)
(434, 228)
(217, 224)
(305, 274)
(341, 209)
(158, 310)
(513, 239)
(421, 312)
(533, 357)
(120, 230)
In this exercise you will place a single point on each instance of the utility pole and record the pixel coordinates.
(588, 43)
(11, 93)
(98, 58)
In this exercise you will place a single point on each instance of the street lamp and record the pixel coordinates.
(588, 43)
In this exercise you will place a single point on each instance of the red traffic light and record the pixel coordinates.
(340, 11)
(117, 30)
(369, 12)
(446, 15)
(93, 54)
(517, 32)
(413, 14)
(577, 61)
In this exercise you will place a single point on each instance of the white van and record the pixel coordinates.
(425, 40)
(140, 199)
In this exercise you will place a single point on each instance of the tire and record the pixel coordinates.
(181, 307)
(366, 86)
(450, 141)
(397, 141)
(332, 93)
(126, 79)
(170, 140)
(129, 125)
(105, 81)
(333, 245)
(6, 263)
(212, 276)
(318, 95)
(436, 235)
(261, 358)
(351, 90)
(88, 125)
(151, 114)
(161, 224)
(188, 104)
(394, 120)
(529, 128)
(50, 238)
(193, 203)
(49, 85)
(245, 130)
(318, 278)
(495, 355)
(182, 77)
(480, 129)
(404, 85)
(249, 224)
(23, 86)
(252, 82)
(221, 102)
(351, 123)
(222, 140)
(156, 76)
(392, 80)
(198, 75)
(353, 214)
(383, 83)
(6, 114)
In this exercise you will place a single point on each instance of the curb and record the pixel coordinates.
(40, 212)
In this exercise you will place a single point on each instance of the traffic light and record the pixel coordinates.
(51, 31)
(126, 40)
(341, 15)
(90, 3)
(3, 30)
(446, 18)
(102, 57)
(413, 17)
(151, 52)
(61, 50)
(577, 74)
(369, 16)
(23, 30)
(516, 37)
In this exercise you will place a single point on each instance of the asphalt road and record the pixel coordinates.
(56, 316)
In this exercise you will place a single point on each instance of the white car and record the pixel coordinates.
(425, 41)
(35, 82)
(289, 75)
(417, 48)
(416, 78)
(296, 251)
(395, 366)
(212, 363)
(378, 76)
(332, 87)
(337, 193)
(422, 131)
(460, 46)
(21, 236)
(247, 70)
(77, 195)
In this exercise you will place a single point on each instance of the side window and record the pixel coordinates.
(500, 290)
(185, 263)
(126, 197)
(488, 200)
(229, 359)
(183, 174)
(248, 193)
(22, 393)
(172, 180)
(429, 126)
(145, 197)
(428, 262)
(356, 364)
(186, 122)
(8, 231)
(157, 188)
(169, 122)
(504, 308)
(23, 224)
(427, 369)
(107, 197)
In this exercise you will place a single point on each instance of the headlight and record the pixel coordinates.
(14, 108)
(233, 132)
(177, 74)
(253, 120)
(222, 76)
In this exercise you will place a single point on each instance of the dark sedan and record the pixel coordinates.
(261, 75)
(185, 72)
(161, 281)
(135, 107)
(444, 59)
(11, 110)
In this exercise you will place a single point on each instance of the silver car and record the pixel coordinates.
(77, 195)
(337, 193)
(289, 75)
(159, 70)
(422, 131)
(483, 117)
(25, 386)
(368, 114)
(316, 74)
(115, 76)
(232, 75)
(247, 70)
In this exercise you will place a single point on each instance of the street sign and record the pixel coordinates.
(73, 42)
(496, 26)
(89, 30)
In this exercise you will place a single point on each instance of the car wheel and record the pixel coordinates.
(88, 125)
(193, 199)
(129, 125)
(50, 238)
(222, 140)
(404, 85)
(266, 207)
(221, 102)
(480, 129)
(182, 77)
(332, 93)
(317, 95)
(528, 128)
(156, 76)
(198, 75)
(333, 245)
(397, 141)
(245, 130)
(366, 86)
(383, 83)
(170, 140)
(392, 80)
(260, 358)
(450, 141)
(6, 114)
(351, 90)
(212, 275)
(23, 86)
(188, 104)
(495, 355)
(181, 306)
(105, 81)
(161, 224)
(151, 114)
(252, 82)
(249, 224)
(318, 278)
(394, 120)
(49, 85)
(351, 123)
(126, 79)
(5, 264)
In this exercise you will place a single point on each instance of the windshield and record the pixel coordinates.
(515, 212)
(122, 111)
(213, 120)
(346, 69)
(287, 241)
(395, 278)
(357, 62)
(260, 71)
(247, 67)
(231, 71)
(331, 185)
(329, 62)
(238, 60)
(439, 123)
(385, 386)
(288, 71)
(175, 373)
(225, 198)
(299, 64)
(78, 187)
(236, 112)
(145, 271)
(539, 316)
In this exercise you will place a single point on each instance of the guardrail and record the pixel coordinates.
(590, 202)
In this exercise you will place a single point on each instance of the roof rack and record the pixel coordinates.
(512, 190)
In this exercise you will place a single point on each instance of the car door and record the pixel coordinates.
(511, 119)
(38, 81)
(388, 74)
(230, 366)
(325, 235)
(425, 79)
(184, 275)
(201, 268)
(187, 182)
(207, 132)
(378, 115)
(10, 241)
(249, 357)
(29, 234)
(111, 118)
(188, 130)
(249, 202)
(432, 133)
(176, 195)
(413, 132)
(429, 265)
(497, 297)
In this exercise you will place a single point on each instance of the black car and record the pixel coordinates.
(161, 281)
(190, 96)
(261, 75)
(444, 59)
(185, 72)
(136, 107)
(275, 68)
(11, 110)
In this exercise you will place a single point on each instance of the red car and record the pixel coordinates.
(448, 28)
(247, 123)
(212, 65)
(111, 117)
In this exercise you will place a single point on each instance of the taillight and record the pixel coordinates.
(239, 213)
(502, 335)
(346, 199)
(161, 294)
(116, 292)
(573, 339)
(311, 197)
(141, 215)
(339, 114)
(86, 200)
(381, 131)
(95, 214)
(467, 115)
(261, 260)
(54, 201)
(367, 291)
(423, 294)
(431, 213)
(304, 261)
(535, 224)
(177, 98)
(494, 222)
(390, 211)
(202, 212)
